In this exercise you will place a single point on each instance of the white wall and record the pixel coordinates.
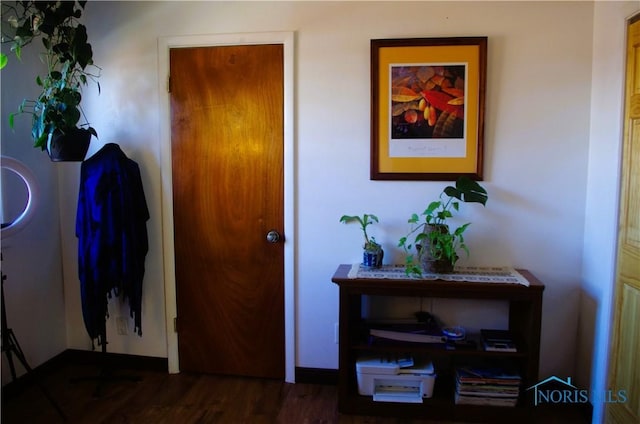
(607, 103)
(538, 111)
(536, 142)
(534, 155)
(31, 258)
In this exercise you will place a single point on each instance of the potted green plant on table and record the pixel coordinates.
(68, 57)
(436, 245)
(372, 254)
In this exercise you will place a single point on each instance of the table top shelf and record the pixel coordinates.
(437, 288)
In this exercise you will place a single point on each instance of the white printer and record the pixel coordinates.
(395, 380)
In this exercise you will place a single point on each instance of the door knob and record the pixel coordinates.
(273, 236)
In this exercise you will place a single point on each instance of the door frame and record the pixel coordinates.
(166, 180)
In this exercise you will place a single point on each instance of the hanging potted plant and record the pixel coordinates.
(372, 251)
(68, 56)
(437, 246)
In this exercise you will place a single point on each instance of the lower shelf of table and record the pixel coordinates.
(440, 407)
(436, 408)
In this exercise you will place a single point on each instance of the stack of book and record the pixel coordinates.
(498, 341)
(487, 386)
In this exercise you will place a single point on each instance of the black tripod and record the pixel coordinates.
(10, 347)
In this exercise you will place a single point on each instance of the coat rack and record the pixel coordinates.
(106, 374)
(110, 260)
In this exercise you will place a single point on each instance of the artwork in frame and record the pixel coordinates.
(427, 108)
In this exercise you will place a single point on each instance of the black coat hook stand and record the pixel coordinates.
(107, 372)
(11, 348)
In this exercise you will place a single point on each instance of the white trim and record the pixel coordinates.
(164, 44)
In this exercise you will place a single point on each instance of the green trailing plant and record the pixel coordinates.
(432, 238)
(370, 244)
(68, 57)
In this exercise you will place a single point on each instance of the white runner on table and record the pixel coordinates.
(477, 274)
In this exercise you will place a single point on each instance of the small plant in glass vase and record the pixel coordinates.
(436, 246)
(372, 251)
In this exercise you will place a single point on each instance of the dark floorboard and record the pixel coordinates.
(187, 398)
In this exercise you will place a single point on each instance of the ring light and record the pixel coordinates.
(32, 195)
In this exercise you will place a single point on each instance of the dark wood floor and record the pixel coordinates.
(184, 398)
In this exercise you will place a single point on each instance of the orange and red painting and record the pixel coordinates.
(427, 101)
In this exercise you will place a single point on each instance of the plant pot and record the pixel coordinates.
(429, 263)
(437, 266)
(372, 259)
(71, 146)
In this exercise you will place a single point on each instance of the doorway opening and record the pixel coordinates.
(286, 39)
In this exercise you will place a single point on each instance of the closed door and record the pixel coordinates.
(227, 159)
(624, 374)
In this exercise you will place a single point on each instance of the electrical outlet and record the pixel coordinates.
(336, 333)
(121, 323)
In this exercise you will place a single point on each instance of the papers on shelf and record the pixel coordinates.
(406, 336)
(498, 341)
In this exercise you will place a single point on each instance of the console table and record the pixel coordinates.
(525, 310)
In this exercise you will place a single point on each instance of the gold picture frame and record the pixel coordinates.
(427, 108)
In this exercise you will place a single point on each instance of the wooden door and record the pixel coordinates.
(624, 367)
(227, 158)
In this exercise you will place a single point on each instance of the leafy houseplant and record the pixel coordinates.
(437, 247)
(373, 253)
(69, 60)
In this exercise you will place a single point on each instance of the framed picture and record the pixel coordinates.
(427, 108)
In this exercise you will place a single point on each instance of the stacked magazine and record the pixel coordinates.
(487, 386)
